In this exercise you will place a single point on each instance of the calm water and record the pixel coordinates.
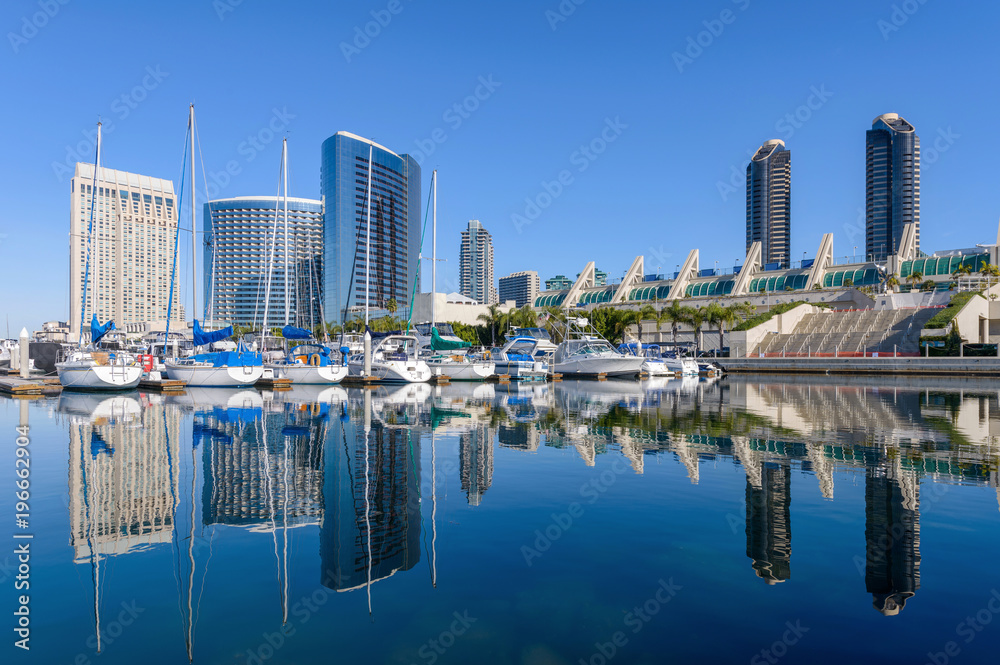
(755, 520)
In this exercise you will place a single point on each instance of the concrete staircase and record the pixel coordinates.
(852, 332)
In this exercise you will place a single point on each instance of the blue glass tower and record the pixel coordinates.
(892, 185)
(395, 225)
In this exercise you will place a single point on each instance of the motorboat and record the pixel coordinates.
(393, 360)
(449, 356)
(584, 352)
(521, 358)
(545, 344)
(309, 362)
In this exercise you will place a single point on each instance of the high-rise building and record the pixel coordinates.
(769, 202)
(132, 248)
(245, 259)
(521, 287)
(475, 277)
(892, 185)
(395, 225)
(558, 283)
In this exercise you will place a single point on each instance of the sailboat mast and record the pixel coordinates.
(194, 228)
(368, 233)
(284, 166)
(90, 240)
(434, 251)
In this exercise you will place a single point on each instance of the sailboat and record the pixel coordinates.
(310, 361)
(239, 367)
(393, 358)
(89, 369)
(450, 357)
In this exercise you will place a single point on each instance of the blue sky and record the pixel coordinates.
(670, 98)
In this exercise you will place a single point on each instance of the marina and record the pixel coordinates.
(364, 521)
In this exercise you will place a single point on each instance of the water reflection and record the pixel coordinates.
(352, 464)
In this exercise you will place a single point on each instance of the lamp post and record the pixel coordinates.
(855, 257)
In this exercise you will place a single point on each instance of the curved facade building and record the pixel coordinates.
(240, 235)
(769, 203)
(395, 225)
(892, 185)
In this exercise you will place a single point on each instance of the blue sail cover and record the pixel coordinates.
(201, 338)
(291, 332)
(97, 331)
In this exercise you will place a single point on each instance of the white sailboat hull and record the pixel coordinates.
(214, 377)
(394, 371)
(88, 375)
(609, 366)
(462, 371)
(308, 374)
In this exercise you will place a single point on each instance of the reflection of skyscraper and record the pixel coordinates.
(769, 526)
(249, 481)
(381, 500)
(122, 478)
(475, 450)
(892, 540)
(520, 436)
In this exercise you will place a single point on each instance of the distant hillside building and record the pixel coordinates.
(475, 279)
(521, 287)
(769, 208)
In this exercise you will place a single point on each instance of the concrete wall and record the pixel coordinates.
(973, 320)
(446, 311)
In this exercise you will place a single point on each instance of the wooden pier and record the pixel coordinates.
(163, 385)
(269, 383)
(362, 381)
(23, 387)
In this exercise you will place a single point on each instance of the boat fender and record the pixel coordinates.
(314, 360)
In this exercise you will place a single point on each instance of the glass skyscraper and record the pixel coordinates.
(395, 225)
(769, 203)
(475, 259)
(892, 185)
(244, 241)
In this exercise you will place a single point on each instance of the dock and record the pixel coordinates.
(162, 385)
(18, 387)
(274, 384)
(362, 381)
(916, 365)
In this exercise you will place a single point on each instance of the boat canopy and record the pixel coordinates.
(201, 338)
(291, 332)
(97, 331)
(438, 343)
(379, 335)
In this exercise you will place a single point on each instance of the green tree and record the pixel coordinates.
(848, 283)
(675, 315)
(928, 285)
(391, 306)
(915, 278)
(697, 317)
(494, 320)
(890, 282)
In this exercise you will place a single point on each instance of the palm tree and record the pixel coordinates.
(891, 282)
(989, 270)
(915, 278)
(696, 317)
(523, 317)
(555, 316)
(494, 319)
(645, 313)
(724, 317)
(675, 315)
(928, 285)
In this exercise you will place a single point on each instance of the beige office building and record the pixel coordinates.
(131, 255)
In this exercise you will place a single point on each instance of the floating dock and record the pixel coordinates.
(274, 384)
(17, 387)
(363, 381)
(915, 365)
(162, 385)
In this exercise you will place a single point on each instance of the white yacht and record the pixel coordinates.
(585, 353)
(521, 358)
(394, 360)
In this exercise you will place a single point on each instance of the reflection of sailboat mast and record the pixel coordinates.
(433, 510)
(284, 518)
(190, 626)
(95, 561)
(368, 524)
